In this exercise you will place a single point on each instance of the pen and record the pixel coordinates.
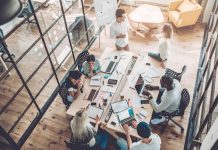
(142, 114)
(138, 116)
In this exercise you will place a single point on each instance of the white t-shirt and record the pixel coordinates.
(164, 48)
(117, 29)
(170, 100)
(153, 145)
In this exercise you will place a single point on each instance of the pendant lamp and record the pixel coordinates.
(9, 9)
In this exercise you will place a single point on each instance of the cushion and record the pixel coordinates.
(186, 5)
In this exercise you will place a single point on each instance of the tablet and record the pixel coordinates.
(93, 112)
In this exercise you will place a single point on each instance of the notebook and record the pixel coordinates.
(93, 111)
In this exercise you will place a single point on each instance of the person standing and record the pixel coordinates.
(119, 30)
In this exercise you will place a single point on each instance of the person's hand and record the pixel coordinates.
(97, 119)
(134, 124)
(126, 128)
(91, 67)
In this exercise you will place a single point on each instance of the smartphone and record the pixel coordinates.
(144, 101)
(93, 103)
(115, 57)
(112, 81)
(113, 123)
(148, 64)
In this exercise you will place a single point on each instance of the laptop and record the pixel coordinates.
(126, 116)
(140, 87)
(111, 65)
(119, 106)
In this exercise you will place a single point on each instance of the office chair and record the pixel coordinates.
(81, 59)
(4, 56)
(63, 93)
(26, 13)
(185, 99)
(174, 74)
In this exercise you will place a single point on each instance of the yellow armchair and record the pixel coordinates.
(184, 15)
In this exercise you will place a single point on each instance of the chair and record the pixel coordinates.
(185, 99)
(26, 13)
(183, 12)
(81, 59)
(63, 93)
(174, 74)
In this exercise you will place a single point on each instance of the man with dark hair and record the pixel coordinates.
(73, 84)
(168, 99)
(91, 66)
(119, 30)
(149, 141)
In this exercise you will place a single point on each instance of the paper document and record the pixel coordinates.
(95, 81)
(93, 112)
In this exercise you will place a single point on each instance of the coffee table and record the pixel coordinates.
(146, 14)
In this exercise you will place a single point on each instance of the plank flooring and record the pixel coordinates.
(54, 127)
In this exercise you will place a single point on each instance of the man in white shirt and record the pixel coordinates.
(119, 30)
(149, 141)
(168, 100)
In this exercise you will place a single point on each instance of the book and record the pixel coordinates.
(95, 81)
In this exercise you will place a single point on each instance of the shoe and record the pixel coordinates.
(158, 121)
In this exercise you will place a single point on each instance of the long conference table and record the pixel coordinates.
(124, 87)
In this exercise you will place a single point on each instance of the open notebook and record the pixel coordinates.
(93, 111)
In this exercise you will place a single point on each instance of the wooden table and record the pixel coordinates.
(123, 87)
(146, 14)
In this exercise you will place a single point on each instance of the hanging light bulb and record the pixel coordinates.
(9, 9)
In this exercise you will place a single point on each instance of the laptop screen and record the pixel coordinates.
(139, 84)
(125, 114)
(119, 106)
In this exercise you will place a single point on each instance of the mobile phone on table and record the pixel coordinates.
(144, 101)
(113, 123)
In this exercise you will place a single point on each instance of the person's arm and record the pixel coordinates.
(98, 66)
(162, 106)
(97, 123)
(128, 138)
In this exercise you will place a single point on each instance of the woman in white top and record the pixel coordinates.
(164, 44)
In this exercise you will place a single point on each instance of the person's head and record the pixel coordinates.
(143, 130)
(120, 15)
(167, 30)
(75, 76)
(90, 59)
(166, 82)
(80, 125)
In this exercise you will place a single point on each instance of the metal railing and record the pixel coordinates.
(205, 98)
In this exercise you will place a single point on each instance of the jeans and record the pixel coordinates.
(156, 56)
(122, 143)
(158, 101)
(102, 139)
(70, 98)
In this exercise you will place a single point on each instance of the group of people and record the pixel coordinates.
(86, 135)
(119, 31)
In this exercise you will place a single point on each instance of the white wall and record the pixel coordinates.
(207, 10)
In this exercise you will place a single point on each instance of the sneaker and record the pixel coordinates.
(158, 121)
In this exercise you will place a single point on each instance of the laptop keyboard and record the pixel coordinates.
(110, 66)
(92, 94)
(128, 121)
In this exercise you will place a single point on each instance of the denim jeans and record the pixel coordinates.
(158, 101)
(102, 139)
(122, 143)
(156, 56)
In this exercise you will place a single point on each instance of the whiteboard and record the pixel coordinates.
(105, 11)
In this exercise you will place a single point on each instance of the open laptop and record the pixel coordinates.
(126, 116)
(111, 65)
(119, 106)
(140, 87)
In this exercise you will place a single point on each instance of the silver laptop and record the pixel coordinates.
(126, 116)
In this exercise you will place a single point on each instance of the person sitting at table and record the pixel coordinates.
(148, 141)
(73, 84)
(164, 44)
(84, 135)
(168, 99)
(119, 30)
(91, 66)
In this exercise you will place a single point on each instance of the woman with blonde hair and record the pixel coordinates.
(84, 135)
(164, 44)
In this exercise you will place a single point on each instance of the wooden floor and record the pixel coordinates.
(54, 127)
